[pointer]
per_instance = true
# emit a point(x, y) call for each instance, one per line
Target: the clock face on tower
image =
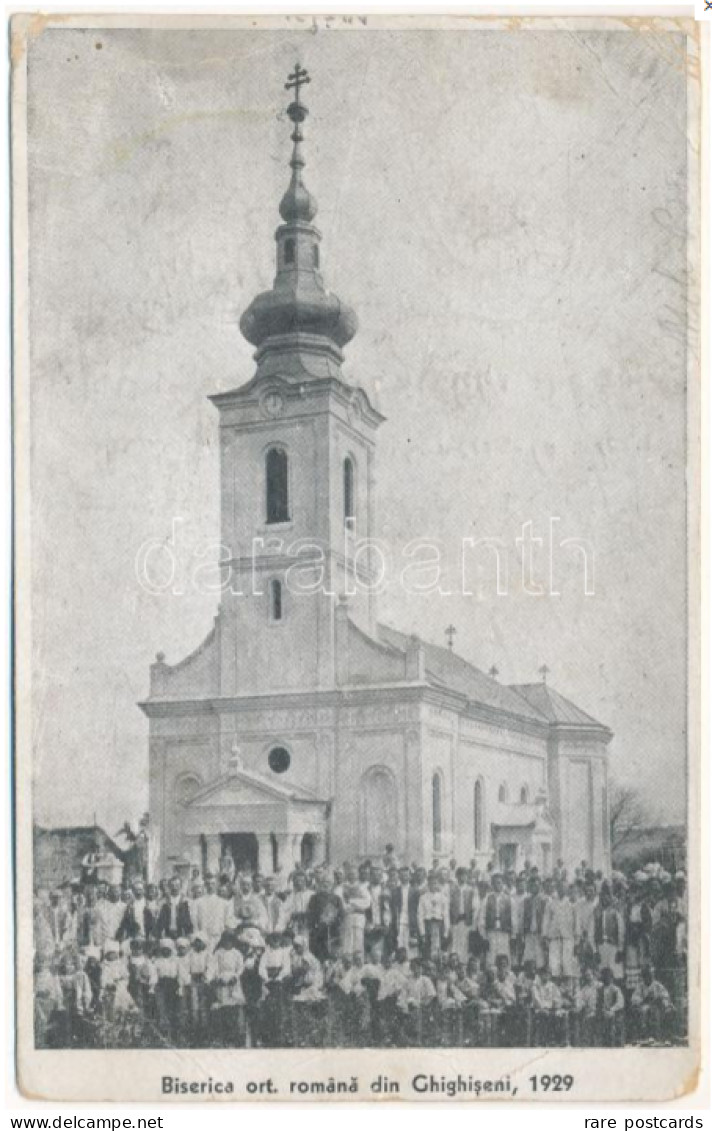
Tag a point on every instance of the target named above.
point(273, 404)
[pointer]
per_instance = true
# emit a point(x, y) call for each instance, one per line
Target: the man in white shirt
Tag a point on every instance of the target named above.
point(211, 912)
point(247, 908)
point(464, 910)
point(560, 931)
point(378, 916)
point(108, 916)
point(357, 901)
point(433, 918)
point(274, 906)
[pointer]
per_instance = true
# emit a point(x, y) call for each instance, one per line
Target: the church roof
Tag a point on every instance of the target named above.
point(446, 669)
point(509, 816)
point(531, 701)
point(556, 708)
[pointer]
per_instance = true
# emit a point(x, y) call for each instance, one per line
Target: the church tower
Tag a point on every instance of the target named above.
point(297, 468)
point(300, 730)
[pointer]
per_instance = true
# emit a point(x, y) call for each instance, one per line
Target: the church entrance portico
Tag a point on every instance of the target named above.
point(244, 850)
point(261, 825)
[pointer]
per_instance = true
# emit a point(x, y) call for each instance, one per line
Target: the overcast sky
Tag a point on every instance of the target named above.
point(506, 213)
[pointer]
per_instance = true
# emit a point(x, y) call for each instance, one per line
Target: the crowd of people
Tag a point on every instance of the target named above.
point(378, 954)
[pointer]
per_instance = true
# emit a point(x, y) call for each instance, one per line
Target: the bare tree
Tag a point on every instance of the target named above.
point(627, 813)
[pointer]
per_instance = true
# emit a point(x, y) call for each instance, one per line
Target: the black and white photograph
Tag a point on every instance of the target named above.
point(357, 533)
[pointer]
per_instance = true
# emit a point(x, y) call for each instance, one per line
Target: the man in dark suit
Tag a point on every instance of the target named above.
point(174, 919)
point(403, 931)
point(139, 920)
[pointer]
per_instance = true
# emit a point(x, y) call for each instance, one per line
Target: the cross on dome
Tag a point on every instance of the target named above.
point(298, 326)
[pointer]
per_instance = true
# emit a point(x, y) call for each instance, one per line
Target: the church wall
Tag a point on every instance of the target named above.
point(183, 756)
point(262, 655)
point(465, 750)
point(254, 750)
point(516, 771)
point(198, 675)
point(438, 754)
point(306, 732)
point(580, 769)
point(346, 441)
point(380, 741)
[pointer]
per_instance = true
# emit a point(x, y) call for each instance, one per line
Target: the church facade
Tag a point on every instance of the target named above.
point(301, 729)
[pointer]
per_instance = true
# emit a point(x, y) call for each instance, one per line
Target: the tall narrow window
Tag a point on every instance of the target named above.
point(275, 600)
point(503, 794)
point(524, 795)
point(315, 255)
point(348, 488)
point(289, 251)
point(277, 479)
point(437, 814)
point(479, 822)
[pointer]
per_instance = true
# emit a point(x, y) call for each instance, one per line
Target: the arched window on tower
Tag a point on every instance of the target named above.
point(437, 814)
point(524, 795)
point(349, 502)
point(275, 600)
point(479, 815)
point(277, 483)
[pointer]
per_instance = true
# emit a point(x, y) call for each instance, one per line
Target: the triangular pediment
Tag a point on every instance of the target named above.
point(232, 793)
point(241, 787)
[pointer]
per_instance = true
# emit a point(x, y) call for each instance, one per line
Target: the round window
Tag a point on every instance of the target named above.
point(279, 759)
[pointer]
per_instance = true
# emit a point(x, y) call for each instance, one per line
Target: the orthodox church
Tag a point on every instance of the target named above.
point(301, 729)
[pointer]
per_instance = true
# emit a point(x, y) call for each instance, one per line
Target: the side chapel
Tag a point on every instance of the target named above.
point(301, 729)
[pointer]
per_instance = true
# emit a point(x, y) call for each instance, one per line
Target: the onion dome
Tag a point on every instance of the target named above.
point(298, 327)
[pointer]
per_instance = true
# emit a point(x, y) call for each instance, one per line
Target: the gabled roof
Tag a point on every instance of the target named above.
point(555, 707)
point(446, 669)
point(509, 816)
point(536, 702)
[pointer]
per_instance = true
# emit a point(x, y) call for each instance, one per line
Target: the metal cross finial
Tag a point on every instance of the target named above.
point(494, 671)
point(450, 633)
point(298, 78)
point(544, 671)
